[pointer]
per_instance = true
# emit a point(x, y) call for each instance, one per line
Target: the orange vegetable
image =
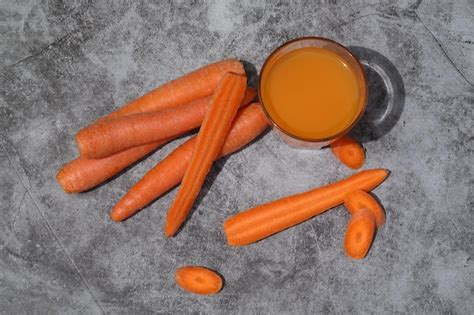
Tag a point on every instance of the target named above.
point(262, 221)
point(359, 234)
point(114, 135)
point(215, 127)
point(248, 124)
point(349, 152)
point(190, 87)
point(199, 280)
point(358, 199)
point(82, 174)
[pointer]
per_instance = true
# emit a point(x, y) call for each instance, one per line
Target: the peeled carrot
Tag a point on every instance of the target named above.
point(349, 152)
point(190, 87)
point(262, 221)
point(248, 124)
point(359, 199)
point(114, 135)
point(82, 174)
point(199, 280)
point(360, 233)
point(215, 127)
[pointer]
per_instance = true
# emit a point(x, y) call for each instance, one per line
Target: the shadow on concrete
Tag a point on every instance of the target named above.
point(252, 74)
point(386, 96)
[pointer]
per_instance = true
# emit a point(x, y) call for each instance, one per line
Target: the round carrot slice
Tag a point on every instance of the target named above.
point(358, 199)
point(359, 234)
point(198, 280)
point(349, 152)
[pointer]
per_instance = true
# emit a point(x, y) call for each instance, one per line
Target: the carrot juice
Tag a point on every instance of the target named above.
point(312, 93)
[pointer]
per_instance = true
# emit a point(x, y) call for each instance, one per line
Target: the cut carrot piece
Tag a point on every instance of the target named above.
point(349, 152)
point(262, 221)
point(82, 174)
point(359, 234)
point(190, 87)
point(199, 280)
point(215, 127)
point(115, 135)
point(358, 199)
point(248, 124)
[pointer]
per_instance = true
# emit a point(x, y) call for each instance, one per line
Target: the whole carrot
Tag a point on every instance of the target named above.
point(82, 174)
point(215, 127)
point(248, 124)
point(199, 280)
point(190, 87)
point(114, 135)
point(262, 221)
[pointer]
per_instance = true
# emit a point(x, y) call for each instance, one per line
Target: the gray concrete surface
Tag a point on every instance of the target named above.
point(65, 64)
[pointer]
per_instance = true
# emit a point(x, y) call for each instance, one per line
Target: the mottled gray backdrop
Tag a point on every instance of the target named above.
point(64, 64)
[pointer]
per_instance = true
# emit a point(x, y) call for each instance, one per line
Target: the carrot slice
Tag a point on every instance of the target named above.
point(360, 233)
point(358, 199)
point(215, 127)
point(262, 221)
point(114, 135)
point(349, 152)
point(192, 86)
point(199, 280)
point(82, 174)
point(248, 124)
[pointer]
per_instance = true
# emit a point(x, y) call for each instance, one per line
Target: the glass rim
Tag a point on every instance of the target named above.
point(364, 82)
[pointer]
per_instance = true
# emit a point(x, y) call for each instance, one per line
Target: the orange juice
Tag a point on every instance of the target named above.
point(311, 93)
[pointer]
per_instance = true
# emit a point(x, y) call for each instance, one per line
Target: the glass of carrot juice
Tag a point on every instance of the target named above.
point(313, 90)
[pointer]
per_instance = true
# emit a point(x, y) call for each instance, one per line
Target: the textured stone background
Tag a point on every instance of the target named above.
point(65, 64)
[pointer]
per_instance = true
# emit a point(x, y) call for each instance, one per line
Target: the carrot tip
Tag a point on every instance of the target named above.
point(116, 217)
point(169, 231)
point(63, 182)
point(386, 171)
